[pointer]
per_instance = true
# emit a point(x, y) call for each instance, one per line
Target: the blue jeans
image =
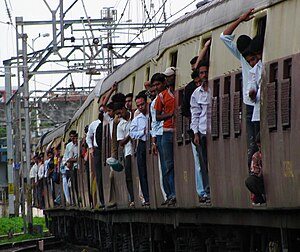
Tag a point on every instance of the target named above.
point(198, 176)
point(167, 145)
point(142, 168)
point(163, 166)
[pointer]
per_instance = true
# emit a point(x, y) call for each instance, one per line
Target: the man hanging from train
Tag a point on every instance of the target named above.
point(165, 111)
point(65, 170)
point(199, 65)
point(238, 51)
point(124, 141)
point(158, 85)
point(94, 142)
point(200, 123)
point(111, 115)
point(139, 131)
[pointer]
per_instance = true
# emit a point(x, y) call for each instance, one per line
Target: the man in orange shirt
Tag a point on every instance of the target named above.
point(165, 108)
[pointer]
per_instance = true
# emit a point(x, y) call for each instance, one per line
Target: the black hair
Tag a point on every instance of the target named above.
point(118, 97)
point(203, 63)
point(157, 77)
point(243, 43)
point(195, 74)
point(257, 44)
point(72, 132)
point(86, 128)
point(193, 60)
point(129, 95)
point(141, 94)
point(118, 105)
point(110, 105)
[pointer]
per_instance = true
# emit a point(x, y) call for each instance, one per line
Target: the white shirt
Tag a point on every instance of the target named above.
point(228, 41)
point(137, 127)
point(34, 172)
point(91, 134)
point(156, 126)
point(122, 132)
point(110, 121)
point(254, 83)
point(41, 171)
point(67, 152)
point(74, 154)
point(200, 110)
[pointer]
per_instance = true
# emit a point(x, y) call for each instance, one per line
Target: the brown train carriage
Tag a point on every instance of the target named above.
point(230, 222)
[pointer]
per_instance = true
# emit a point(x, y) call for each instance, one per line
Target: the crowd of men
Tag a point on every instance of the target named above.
point(154, 117)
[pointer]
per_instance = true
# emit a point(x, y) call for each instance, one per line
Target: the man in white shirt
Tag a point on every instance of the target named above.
point(65, 166)
point(139, 131)
point(33, 174)
point(94, 142)
point(124, 141)
point(200, 112)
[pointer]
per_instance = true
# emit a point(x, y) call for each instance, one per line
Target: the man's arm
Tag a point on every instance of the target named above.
point(245, 17)
point(203, 52)
point(106, 98)
point(228, 38)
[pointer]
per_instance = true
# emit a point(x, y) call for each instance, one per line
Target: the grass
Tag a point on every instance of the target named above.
point(17, 223)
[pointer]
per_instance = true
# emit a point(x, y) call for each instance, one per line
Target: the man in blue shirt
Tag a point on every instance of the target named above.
point(139, 131)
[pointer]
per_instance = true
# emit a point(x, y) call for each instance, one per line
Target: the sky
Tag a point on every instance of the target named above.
point(37, 10)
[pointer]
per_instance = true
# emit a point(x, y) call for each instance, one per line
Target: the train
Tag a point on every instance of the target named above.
point(230, 222)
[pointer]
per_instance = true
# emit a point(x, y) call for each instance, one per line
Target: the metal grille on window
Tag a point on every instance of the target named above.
point(226, 115)
point(186, 127)
point(215, 117)
point(285, 103)
point(271, 105)
point(179, 126)
point(237, 113)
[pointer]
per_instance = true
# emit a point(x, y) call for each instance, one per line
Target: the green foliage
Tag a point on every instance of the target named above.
point(2, 132)
point(22, 237)
point(17, 223)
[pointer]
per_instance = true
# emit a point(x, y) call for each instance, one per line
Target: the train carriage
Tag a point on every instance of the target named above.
point(230, 211)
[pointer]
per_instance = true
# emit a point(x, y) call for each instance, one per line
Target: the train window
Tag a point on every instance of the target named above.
point(173, 56)
point(272, 97)
point(215, 110)
point(237, 105)
point(261, 26)
point(226, 107)
point(132, 84)
point(286, 94)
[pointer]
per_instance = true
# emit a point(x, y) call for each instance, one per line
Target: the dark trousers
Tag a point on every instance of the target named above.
point(167, 145)
point(128, 176)
point(202, 150)
point(255, 185)
point(99, 179)
point(163, 166)
point(252, 130)
point(74, 183)
point(142, 168)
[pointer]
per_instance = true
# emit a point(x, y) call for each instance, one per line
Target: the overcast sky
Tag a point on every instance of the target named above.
point(36, 10)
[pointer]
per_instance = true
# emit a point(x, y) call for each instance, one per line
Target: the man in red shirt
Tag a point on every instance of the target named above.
point(165, 108)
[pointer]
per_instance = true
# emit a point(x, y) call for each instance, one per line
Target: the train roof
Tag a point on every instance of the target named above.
point(207, 17)
point(94, 94)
